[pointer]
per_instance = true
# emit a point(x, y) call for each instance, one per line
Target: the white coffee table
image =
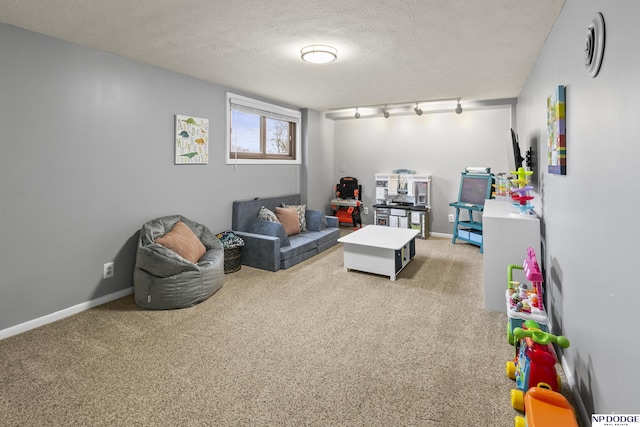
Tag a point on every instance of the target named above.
point(379, 249)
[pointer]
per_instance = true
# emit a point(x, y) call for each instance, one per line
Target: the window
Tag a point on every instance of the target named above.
point(261, 133)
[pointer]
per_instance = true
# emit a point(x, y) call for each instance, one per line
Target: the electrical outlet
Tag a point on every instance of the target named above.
point(450, 217)
point(366, 210)
point(108, 271)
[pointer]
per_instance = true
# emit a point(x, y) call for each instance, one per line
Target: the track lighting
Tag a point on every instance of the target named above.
point(419, 108)
point(458, 107)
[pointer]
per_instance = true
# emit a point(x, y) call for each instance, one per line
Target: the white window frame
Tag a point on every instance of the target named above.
point(268, 110)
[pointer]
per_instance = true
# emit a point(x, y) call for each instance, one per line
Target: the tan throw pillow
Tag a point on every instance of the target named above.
point(288, 217)
point(301, 214)
point(184, 242)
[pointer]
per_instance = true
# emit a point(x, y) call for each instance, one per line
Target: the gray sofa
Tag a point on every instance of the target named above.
point(267, 246)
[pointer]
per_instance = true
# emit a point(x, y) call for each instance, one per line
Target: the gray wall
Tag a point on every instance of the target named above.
point(441, 144)
point(591, 266)
point(318, 160)
point(87, 158)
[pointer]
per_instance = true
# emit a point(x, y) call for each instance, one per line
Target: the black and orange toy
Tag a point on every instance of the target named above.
point(346, 206)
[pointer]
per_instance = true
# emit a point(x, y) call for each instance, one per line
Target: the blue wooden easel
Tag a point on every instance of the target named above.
point(475, 188)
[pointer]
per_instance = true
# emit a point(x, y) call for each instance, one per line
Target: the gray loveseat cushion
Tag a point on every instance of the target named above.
point(268, 228)
point(316, 220)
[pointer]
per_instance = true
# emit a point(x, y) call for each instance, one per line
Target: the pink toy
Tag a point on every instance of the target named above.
point(533, 274)
point(525, 304)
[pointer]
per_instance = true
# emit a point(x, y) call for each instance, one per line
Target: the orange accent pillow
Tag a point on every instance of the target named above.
point(184, 242)
point(288, 217)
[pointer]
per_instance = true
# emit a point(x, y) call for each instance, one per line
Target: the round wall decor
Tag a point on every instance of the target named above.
point(594, 45)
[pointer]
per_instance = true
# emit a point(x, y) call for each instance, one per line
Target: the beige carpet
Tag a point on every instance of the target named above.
point(313, 345)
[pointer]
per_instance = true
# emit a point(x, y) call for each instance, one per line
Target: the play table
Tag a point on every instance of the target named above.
point(379, 249)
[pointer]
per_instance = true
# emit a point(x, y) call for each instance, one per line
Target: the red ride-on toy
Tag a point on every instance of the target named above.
point(534, 364)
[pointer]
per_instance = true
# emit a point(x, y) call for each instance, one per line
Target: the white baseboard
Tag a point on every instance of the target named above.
point(49, 318)
point(568, 373)
point(449, 236)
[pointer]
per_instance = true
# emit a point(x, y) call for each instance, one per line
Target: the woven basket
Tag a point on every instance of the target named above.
point(232, 260)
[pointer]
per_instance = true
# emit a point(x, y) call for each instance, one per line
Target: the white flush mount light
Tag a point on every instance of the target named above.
point(318, 54)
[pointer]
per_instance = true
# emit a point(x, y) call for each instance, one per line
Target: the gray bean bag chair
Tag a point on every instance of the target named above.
point(179, 263)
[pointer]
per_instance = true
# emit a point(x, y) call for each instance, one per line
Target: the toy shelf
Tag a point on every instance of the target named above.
point(506, 237)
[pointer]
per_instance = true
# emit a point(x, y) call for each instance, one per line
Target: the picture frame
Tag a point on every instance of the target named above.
point(191, 140)
point(556, 126)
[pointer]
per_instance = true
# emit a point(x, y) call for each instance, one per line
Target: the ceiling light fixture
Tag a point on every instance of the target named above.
point(419, 108)
point(318, 54)
point(458, 107)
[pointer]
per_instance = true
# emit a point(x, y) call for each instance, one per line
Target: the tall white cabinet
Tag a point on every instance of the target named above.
point(507, 235)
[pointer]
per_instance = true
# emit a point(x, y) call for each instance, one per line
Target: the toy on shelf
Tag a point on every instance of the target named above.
point(501, 187)
point(535, 361)
point(521, 193)
point(546, 408)
point(346, 205)
point(524, 303)
point(522, 181)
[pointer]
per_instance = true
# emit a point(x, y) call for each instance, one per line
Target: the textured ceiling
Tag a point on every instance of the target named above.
point(392, 51)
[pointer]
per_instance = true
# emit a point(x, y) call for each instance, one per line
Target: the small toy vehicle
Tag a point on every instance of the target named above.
point(546, 408)
point(534, 364)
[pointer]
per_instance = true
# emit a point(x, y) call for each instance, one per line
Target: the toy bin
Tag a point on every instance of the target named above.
point(232, 244)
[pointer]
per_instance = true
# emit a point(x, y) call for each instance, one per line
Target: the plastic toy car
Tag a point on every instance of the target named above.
point(534, 364)
point(546, 408)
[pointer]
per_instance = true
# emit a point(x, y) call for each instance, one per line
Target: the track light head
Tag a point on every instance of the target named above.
point(418, 110)
point(458, 108)
point(357, 115)
point(386, 113)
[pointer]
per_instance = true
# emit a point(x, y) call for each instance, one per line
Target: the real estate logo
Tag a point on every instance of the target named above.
point(615, 420)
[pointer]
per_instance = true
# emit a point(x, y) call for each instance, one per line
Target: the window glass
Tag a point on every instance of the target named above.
point(245, 132)
point(277, 137)
point(261, 133)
